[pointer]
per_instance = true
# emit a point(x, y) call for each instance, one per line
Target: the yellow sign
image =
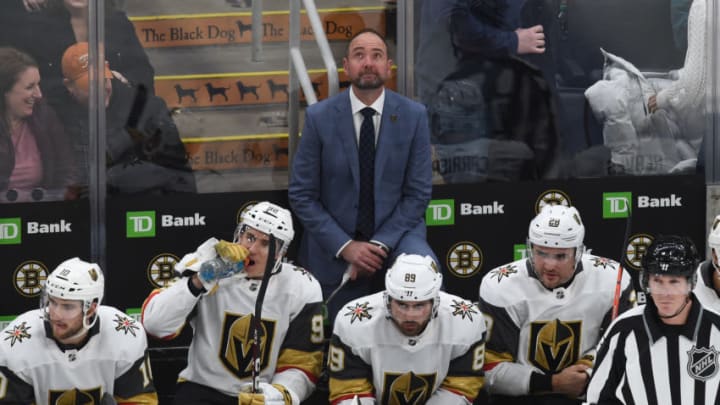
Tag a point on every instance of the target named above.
point(243, 152)
point(240, 88)
point(236, 28)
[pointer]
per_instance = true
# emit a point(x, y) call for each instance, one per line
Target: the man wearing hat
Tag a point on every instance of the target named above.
point(144, 150)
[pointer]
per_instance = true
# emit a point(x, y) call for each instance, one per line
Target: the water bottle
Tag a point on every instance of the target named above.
point(218, 268)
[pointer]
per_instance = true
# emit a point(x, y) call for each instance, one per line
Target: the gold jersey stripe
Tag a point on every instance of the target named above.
point(467, 386)
point(309, 362)
point(349, 388)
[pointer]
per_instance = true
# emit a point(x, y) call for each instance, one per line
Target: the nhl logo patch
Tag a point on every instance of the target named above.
point(702, 363)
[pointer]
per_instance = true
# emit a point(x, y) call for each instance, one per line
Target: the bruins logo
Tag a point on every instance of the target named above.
point(465, 259)
point(76, 397)
point(554, 345)
point(552, 197)
point(408, 388)
point(161, 270)
point(29, 278)
point(237, 341)
point(635, 250)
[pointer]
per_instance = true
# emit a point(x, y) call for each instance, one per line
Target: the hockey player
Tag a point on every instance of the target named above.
point(220, 311)
point(707, 289)
point(665, 352)
point(73, 350)
point(547, 312)
point(411, 344)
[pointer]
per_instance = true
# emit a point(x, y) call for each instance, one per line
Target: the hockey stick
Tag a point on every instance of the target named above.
point(257, 323)
point(618, 285)
point(343, 282)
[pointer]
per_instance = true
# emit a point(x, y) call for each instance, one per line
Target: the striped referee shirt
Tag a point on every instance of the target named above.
point(644, 361)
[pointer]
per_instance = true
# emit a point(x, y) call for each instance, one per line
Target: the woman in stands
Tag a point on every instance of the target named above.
point(35, 156)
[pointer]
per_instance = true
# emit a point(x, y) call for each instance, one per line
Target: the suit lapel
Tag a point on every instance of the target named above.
point(346, 132)
point(389, 126)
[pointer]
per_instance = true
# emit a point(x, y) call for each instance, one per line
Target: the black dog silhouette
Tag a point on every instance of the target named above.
point(243, 27)
point(213, 91)
point(277, 150)
point(243, 89)
point(185, 92)
point(277, 87)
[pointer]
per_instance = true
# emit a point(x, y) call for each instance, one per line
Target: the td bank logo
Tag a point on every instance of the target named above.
point(10, 231)
point(140, 224)
point(617, 205)
point(440, 212)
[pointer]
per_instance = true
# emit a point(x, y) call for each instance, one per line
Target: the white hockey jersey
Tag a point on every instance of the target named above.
point(220, 355)
point(370, 357)
point(704, 290)
point(33, 368)
point(534, 329)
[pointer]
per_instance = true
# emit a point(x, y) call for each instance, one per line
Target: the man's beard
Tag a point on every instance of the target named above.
point(69, 333)
point(374, 84)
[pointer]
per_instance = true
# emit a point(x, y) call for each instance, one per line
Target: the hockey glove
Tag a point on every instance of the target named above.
point(231, 260)
point(232, 252)
point(269, 394)
point(191, 262)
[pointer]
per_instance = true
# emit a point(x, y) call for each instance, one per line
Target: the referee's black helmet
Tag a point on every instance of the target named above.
point(670, 255)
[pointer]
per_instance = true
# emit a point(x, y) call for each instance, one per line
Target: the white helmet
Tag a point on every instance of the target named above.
point(75, 279)
point(557, 226)
point(268, 218)
point(413, 278)
point(714, 239)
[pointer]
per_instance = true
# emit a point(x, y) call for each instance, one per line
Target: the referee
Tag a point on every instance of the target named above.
point(665, 352)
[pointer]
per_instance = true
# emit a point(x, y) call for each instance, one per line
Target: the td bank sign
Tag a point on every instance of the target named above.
point(620, 204)
point(143, 224)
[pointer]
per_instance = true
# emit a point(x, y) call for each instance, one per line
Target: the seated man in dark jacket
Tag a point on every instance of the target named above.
point(144, 150)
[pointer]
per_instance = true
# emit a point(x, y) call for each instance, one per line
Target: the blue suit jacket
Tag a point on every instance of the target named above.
point(324, 182)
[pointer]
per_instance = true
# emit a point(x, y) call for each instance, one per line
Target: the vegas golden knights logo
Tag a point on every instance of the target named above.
point(554, 345)
point(75, 397)
point(408, 388)
point(237, 339)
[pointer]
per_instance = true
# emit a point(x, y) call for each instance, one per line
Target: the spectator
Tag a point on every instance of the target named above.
point(707, 289)
point(548, 312)
point(679, 10)
point(220, 308)
point(685, 95)
point(453, 31)
point(410, 344)
point(373, 205)
point(144, 150)
point(73, 349)
point(57, 24)
point(664, 352)
point(492, 114)
point(35, 154)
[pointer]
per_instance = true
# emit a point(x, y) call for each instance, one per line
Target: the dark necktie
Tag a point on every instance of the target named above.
point(366, 155)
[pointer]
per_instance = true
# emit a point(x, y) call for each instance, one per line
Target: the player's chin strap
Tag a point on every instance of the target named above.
point(257, 318)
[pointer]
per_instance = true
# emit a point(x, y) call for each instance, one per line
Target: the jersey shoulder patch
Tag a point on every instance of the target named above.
point(362, 311)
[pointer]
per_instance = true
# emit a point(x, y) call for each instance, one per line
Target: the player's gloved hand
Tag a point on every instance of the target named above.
point(232, 252)
point(230, 260)
point(191, 262)
point(269, 394)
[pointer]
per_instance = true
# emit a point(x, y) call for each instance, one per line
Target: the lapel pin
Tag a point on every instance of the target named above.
point(393, 118)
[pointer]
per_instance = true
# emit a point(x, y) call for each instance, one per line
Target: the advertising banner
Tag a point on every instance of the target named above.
point(34, 239)
point(475, 228)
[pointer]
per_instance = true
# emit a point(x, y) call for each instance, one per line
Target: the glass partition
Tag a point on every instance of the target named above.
point(554, 89)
